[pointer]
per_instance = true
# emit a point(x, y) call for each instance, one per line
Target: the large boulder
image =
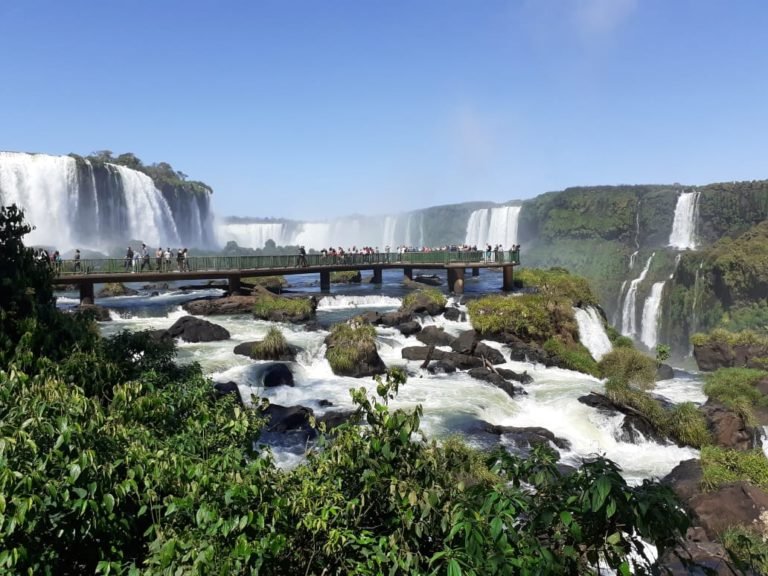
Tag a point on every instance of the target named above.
point(465, 342)
point(191, 329)
point(409, 328)
point(428, 279)
point(460, 361)
point(526, 437)
point(727, 427)
point(235, 304)
point(523, 378)
point(284, 419)
point(685, 479)
point(396, 318)
point(454, 314)
point(486, 375)
point(434, 336)
point(116, 289)
point(423, 302)
point(253, 351)
point(664, 372)
point(716, 354)
point(735, 504)
point(92, 311)
point(351, 351)
point(491, 354)
point(273, 374)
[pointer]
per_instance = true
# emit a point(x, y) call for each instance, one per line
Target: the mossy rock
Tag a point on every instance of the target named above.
point(273, 347)
point(346, 277)
point(268, 306)
point(113, 289)
point(351, 351)
point(425, 300)
point(274, 284)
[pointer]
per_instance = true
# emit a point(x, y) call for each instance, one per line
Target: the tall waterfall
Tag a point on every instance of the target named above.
point(629, 313)
point(650, 322)
point(683, 236)
point(493, 226)
point(73, 203)
point(592, 332)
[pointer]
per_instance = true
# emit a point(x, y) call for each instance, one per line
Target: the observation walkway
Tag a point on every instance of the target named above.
point(89, 271)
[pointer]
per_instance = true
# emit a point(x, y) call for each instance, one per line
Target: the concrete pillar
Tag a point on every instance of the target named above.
point(377, 276)
point(408, 273)
point(325, 281)
point(476, 271)
point(456, 280)
point(86, 293)
point(234, 284)
point(509, 278)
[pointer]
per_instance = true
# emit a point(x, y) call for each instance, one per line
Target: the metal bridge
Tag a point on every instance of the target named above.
point(86, 272)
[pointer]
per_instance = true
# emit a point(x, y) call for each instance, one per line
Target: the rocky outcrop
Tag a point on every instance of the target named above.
point(736, 504)
point(486, 375)
point(525, 438)
point(434, 336)
point(283, 419)
point(635, 426)
point(191, 329)
point(460, 361)
point(272, 375)
point(235, 304)
point(664, 372)
point(409, 328)
point(454, 314)
point(714, 355)
point(422, 302)
point(116, 289)
point(92, 311)
point(250, 349)
point(357, 358)
point(727, 427)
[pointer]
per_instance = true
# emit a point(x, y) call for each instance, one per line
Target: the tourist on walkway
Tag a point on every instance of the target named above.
point(167, 259)
point(302, 257)
point(128, 259)
point(77, 260)
point(145, 258)
point(159, 259)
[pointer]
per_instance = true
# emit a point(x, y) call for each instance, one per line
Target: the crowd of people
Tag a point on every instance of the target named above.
point(372, 253)
point(139, 260)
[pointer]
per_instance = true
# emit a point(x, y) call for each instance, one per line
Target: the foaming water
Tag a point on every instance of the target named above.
point(372, 301)
point(592, 333)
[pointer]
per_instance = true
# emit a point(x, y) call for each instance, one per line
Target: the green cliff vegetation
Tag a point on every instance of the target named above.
point(115, 460)
point(736, 389)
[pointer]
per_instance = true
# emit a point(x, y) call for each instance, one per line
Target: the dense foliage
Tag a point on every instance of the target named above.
point(114, 460)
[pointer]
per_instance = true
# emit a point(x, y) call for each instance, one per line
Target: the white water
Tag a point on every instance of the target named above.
point(629, 313)
point(592, 332)
point(649, 331)
point(493, 226)
point(450, 402)
point(339, 302)
point(683, 236)
point(632, 258)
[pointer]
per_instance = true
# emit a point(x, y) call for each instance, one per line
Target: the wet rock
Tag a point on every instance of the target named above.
point(727, 427)
point(461, 361)
point(466, 342)
point(423, 303)
point(287, 354)
point(112, 289)
point(685, 479)
point(496, 379)
point(191, 329)
point(335, 418)
point(522, 378)
point(92, 311)
point(368, 362)
point(664, 372)
point(284, 419)
point(736, 504)
point(273, 375)
point(453, 314)
point(370, 317)
point(434, 336)
point(428, 279)
point(491, 354)
point(707, 557)
point(235, 304)
point(441, 367)
point(409, 328)
point(396, 318)
point(528, 436)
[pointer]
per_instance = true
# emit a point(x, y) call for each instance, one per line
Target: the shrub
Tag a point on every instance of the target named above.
point(272, 346)
point(345, 277)
point(267, 306)
point(274, 283)
point(432, 294)
point(688, 425)
point(558, 283)
point(524, 316)
point(351, 344)
point(574, 356)
point(630, 367)
point(721, 466)
point(721, 336)
point(735, 388)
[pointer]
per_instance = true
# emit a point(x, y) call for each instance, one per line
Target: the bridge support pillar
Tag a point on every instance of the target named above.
point(509, 278)
point(376, 276)
point(86, 293)
point(456, 280)
point(475, 271)
point(325, 281)
point(233, 284)
point(408, 273)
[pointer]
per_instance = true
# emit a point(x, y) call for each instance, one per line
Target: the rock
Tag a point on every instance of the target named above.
point(736, 504)
point(276, 375)
point(370, 317)
point(428, 279)
point(633, 428)
point(709, 557)
point(664, 372)
point(351, 277)
point(466, 342)
point(159, 286)
point(112, 289)
point(714, 355)
point(98, 313)
point(434, 336)
point(441, 367)
point(409, 328)
point(685, 479)
point(289, 419)
point(235, 304)
point(248, 349)
point(453, 314)
point(599, 401)
point(423, 303)
point(323, 403)
point(396, 318)
point(484, 374)
point(224, 388)
point(335, 418)
point(528, 436)
point(727, 427)
point(461, 361)
point(523, 378)
point(191, 329)
point(368, 362)
point(491, 354)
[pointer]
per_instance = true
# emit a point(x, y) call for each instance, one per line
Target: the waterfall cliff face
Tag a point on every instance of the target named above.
point(493, 226)
point(683, 235)
point(73, 203)
point(592, 332)
point(649, 330)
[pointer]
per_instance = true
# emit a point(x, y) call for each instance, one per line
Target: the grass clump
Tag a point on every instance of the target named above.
point(345, 277)
point(735, 388)
point(721, 466)
point(558, 283)
point(430, 294)
point(687, 425)
point(573, 356)
point(269, 306)
point(721, 336)
point(748, 546)
point(350, 344)
point(272, 346)
point(529, 317)
point(630, 367)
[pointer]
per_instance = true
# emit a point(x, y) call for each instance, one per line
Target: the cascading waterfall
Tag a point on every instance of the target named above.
point(649, 330)
point(694, 304)
point(493, 226)
point(633, 258)
point(683, 236)
point(74, 203)
point(629, 313)
point(592, 332)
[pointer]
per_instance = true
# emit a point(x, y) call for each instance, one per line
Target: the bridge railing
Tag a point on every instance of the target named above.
point(224, 263)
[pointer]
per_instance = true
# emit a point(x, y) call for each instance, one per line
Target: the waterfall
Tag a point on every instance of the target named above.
point(683, 236)
point(493, 226)
point(254, 234)
point(592, 332)
point(616, 314)
point(75, 203)
point(637, 229)
point(650, 321)
point(390, 227)
point(632, 258)
point(628, 315)
point(407, 240)
point(421, 231)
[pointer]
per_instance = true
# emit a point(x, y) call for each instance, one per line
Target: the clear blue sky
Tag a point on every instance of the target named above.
point(316, 108)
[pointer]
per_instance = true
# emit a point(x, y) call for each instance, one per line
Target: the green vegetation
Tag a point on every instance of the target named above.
point(573, 356)
point(272, 346)
point(269, 282)
point(345, 277)
point(735, 388)
point(721, 466)
point(146, 471)
point(433, 295)
point(269, 306)
point(721, 336)
point(629, 366)
point(557, 284)
point(748, 546)
point(351, 346)
point(527, 316)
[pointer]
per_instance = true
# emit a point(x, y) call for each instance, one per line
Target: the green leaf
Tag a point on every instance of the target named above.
point(109, 502)
point(602, 488)
point(453, 568)
point(566, 517)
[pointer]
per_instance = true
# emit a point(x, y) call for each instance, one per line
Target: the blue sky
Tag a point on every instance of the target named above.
point(317, 108)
